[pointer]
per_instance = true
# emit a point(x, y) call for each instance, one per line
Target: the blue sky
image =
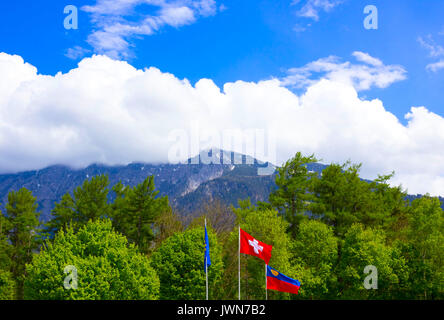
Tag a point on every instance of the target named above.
point(306, 72)
point(251, 40)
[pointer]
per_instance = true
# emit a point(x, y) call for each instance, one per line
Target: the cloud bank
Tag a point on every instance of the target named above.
point(109, 112)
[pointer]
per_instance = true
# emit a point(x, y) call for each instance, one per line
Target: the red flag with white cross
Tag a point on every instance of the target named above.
point(251, 246)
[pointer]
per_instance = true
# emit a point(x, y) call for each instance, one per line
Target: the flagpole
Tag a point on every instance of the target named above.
point(206, 265)
point(239, 264)
point(266, 293)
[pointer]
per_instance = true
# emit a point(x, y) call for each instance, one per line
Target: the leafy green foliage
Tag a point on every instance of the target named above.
point(363, 247)
point(315, 254)
point(5, 246)
point(107, 267)
point(7, 285)
point(179, 262)
point(424, 250)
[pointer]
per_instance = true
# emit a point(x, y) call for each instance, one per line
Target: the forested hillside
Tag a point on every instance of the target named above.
point(127, 242)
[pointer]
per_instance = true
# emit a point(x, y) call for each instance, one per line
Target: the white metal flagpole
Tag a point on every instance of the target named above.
point(239, 264)
point(266, 293)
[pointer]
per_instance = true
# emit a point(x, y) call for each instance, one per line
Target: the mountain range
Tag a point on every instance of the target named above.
point(187, 184)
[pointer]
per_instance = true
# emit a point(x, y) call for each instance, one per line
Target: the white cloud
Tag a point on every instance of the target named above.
point(76, 52)
point(223, 8)
point(366, 58)
point(118, 22)
point(435, 51)
point(435, 66)
point(177, 16)
point(311, 8)
point(107, 111)
point(300, 28)
point(370, 73)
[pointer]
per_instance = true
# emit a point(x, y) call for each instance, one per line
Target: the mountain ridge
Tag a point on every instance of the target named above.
point(177, 181)
point(187, 185)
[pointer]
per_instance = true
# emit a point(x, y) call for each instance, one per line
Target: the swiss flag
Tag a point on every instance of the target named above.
point(250, 245)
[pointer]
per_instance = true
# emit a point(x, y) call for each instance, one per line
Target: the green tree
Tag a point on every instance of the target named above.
point(91, 199)
point(89, 203)
point(136, 209)
point(63, 215)
point(366, 247)
point(7, 285)
point(342, 198)
point(107, 267)
point(424, 250)
point(179, 262)
point(292, 196)
point(5, 246)
point(315, 254)
point(23, 224)
point(390, 207)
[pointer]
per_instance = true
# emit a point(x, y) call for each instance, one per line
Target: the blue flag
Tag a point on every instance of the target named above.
point(207, 250)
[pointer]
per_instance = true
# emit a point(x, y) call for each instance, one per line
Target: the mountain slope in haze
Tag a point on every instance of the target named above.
point(188, 185)
point(177, 181)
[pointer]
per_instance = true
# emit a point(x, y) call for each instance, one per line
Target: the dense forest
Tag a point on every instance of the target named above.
point(325, 229)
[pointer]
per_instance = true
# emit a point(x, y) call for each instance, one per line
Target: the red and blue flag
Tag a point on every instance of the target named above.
point(279, 282)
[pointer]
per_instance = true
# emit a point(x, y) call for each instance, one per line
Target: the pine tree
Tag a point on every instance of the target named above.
point(136, 209)
point(292, 196)
point(90, 202)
